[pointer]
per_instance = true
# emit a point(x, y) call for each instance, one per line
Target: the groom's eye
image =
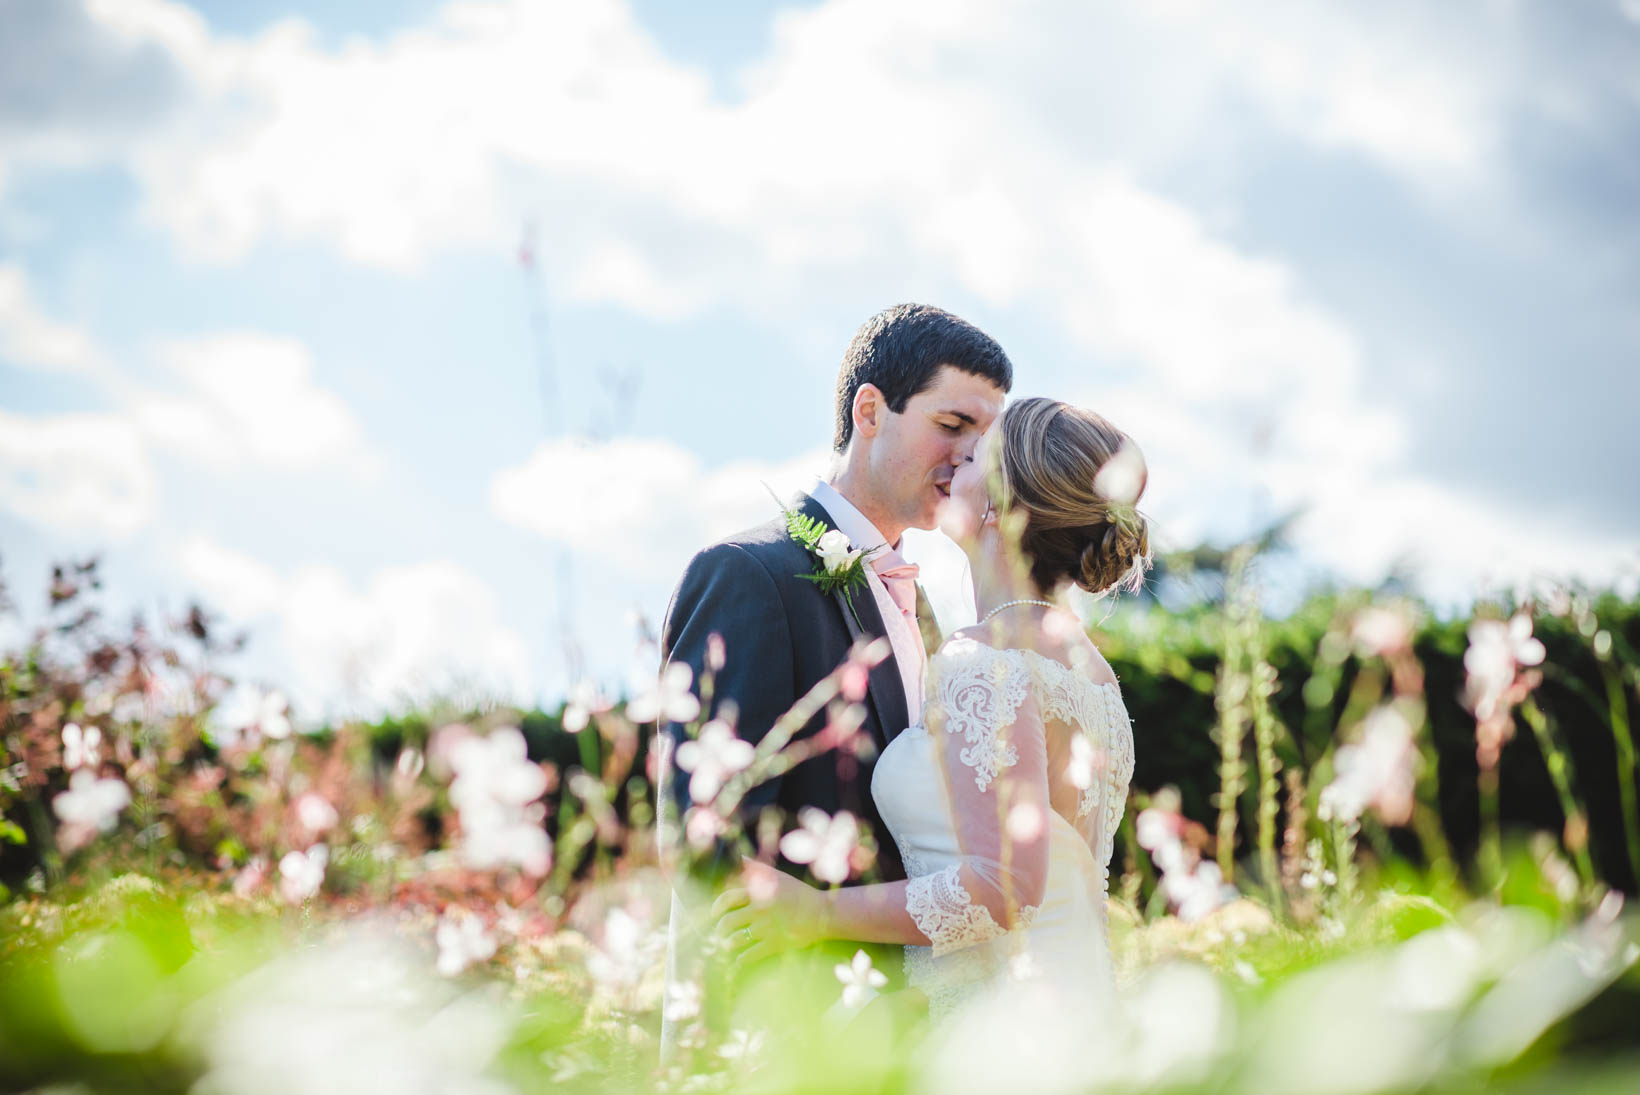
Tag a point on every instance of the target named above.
point(951, 427)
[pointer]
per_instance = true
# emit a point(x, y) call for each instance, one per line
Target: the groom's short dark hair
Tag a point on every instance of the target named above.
point(901, 349)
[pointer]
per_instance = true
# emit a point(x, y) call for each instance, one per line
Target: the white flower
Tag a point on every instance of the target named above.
point(825, 843)
point(92, 802)
point(669, 699)
point(1495, 651)
point(1084, 762)
point(1198, 892)
point(626, 952)
point(315, 813)
point(1122, 477)
point(302, 873)
point(741, 1045)
point(495, 790)
point(1156, 828)
point(835, 550)
point(585, 700)
point(462, 940)
point(495, 768)
point(682, 1002)
point(410, 762)
point(712, 758)
point(495, 842)
point(80, 746)
point(1025, 821)
point(248, 710)
point(1380, 771)
point(860, 980)
point(1379, 631)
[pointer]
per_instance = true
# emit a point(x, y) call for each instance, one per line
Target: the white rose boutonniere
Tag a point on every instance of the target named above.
point(836, 550)
point(839, 566)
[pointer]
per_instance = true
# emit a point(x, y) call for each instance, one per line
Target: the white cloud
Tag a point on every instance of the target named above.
point(409, 632)
point(1372, 78)
point(252, 397)
point(76, 473)
point(236, 583)
point(866, 127)
point(30, 338)
point(1214, 474)
point(641, 506)
point(1006, 153)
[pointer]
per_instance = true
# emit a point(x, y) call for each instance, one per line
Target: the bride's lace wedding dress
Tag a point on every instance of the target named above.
point(1004, 807)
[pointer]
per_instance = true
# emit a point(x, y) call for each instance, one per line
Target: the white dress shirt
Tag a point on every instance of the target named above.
point(903, 638)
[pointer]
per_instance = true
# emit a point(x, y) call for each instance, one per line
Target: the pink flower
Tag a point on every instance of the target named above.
point(584, 701)
point(250, 879)
point(1380, 631)
point(1380, 771)
point(1496, 651)
point(712, 758)
point(669, 699)
point(1025, 822)
point(702, 825)
point(302, 873)
point(315, 813)
point(824, 843)
point(1198, 891)
point(854, 680)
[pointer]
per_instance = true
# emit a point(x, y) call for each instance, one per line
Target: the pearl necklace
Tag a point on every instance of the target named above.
point(1011, 604)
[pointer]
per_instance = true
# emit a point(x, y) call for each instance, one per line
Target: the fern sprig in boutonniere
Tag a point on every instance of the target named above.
point(839, 567)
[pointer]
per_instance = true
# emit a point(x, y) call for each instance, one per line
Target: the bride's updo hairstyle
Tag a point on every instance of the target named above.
point(1050, 456)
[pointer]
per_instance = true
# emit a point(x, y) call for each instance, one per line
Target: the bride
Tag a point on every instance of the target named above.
point(1004, 804)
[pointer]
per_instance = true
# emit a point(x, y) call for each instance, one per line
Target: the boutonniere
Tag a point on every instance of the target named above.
point(839, 567)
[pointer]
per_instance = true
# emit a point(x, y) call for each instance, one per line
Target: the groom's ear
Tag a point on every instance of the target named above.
point(869, 407)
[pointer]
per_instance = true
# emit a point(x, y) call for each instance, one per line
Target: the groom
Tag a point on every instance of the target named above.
point(917, 388)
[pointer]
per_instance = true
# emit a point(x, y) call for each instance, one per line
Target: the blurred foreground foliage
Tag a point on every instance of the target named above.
point(1369, 849)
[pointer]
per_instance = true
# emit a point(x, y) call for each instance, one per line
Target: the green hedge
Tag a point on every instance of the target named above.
point(1168, 662)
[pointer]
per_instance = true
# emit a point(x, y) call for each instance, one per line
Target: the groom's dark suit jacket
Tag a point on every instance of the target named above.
point(783, 635)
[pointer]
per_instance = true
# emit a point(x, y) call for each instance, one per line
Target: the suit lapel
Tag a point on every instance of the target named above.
point(887, 689)
point(927, 624)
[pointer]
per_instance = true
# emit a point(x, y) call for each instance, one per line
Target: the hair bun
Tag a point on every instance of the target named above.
point(1051, 456)
point(1116, 558)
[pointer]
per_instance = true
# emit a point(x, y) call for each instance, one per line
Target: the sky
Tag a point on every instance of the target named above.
point(414, 337)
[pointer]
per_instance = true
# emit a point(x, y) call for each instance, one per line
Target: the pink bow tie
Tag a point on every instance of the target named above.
point(900, 578)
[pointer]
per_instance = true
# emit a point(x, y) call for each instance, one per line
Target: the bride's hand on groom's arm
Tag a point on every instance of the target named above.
point(768, 913)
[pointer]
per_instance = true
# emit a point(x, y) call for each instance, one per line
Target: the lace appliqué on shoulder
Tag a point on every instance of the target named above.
point(1096, 712)
point(979, 690)
point(943, 911)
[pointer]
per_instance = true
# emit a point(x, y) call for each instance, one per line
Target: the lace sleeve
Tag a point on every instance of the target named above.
point(988, 741)
point(977, 692)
